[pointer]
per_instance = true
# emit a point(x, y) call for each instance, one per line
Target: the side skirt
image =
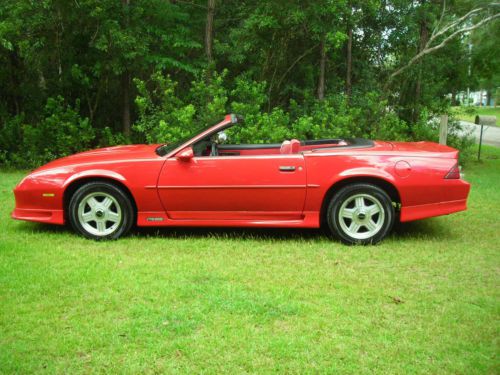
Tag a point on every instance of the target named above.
point(160, 219)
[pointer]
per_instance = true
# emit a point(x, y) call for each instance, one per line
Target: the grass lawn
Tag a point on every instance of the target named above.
point(469, 113)
point(427, 300)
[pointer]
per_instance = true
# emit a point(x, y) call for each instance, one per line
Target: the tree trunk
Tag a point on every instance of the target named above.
point(209, 31)
point(126, 103)
point(322, 66)
point(348, 76)
point(15, 64)
point(59, 36)
point(424, 37)
point(125, 78)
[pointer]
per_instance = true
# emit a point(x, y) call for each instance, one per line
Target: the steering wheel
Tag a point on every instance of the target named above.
point(213, 149)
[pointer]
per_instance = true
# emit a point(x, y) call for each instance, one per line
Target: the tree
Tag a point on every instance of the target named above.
point(442, 34)
point(316, 66)
point(485, 74)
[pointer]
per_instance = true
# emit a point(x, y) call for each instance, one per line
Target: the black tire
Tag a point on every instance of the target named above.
point(372, 212)
point(103, 221)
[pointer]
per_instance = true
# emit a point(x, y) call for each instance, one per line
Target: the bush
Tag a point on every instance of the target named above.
point(60, 133)
point(162, 115)
point(209, 98)
point(106, 137)
point(166, 116)
point(457, 139)
point(248, 97)
point(10, 139)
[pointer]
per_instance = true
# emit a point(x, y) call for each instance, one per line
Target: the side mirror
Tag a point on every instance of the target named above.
point(186, 154)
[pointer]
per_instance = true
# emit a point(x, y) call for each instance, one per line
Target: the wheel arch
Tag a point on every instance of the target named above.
point(385, 185)
point(75, 184)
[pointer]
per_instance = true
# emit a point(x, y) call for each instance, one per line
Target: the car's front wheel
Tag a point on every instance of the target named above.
point(360, 214)
point(100, 210)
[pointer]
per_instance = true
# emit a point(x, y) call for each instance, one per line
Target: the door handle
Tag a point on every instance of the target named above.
point(287, 168)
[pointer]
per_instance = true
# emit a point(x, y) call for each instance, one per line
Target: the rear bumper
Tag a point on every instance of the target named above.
point(453, 194)
point(39, 215)
point(430, 210)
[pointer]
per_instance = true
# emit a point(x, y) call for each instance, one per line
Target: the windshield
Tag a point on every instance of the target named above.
point(166, 148)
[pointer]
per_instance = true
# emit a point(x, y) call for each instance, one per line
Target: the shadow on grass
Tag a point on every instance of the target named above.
point(282, 234)
point(430, 228)
point(26, 227)
point(423, 229)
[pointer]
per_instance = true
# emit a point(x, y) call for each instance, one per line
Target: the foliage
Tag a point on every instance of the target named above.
point(106, 137)
point(10, 139)
point(60, 132)
point(165, 116)
point(209, 95)
point(114, 58)
point(485, 59)
point(162, 115)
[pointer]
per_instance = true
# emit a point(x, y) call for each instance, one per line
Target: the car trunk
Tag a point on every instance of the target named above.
point(431, 149)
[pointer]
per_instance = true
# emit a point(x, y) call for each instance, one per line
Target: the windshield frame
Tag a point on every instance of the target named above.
point(171, 149)
point(168, 147)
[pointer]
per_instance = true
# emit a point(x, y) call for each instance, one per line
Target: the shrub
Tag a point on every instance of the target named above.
point(10, 139)
point(209, 97)
point(106, 137)
point(166, 116)
point(463, 142)
point(162, 115)
point(62, 132)
point(260, 127)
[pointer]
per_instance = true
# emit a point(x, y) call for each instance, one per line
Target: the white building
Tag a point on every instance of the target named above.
point(478, 98)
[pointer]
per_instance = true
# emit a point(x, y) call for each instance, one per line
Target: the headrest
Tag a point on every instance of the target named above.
point(295, 145)
point(286, 147)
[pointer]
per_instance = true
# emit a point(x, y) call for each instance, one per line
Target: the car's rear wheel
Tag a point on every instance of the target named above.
point(100, 210)
point(360, 214)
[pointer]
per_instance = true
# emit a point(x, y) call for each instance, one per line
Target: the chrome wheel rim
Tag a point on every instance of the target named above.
point(99, 214)
point(361, 216)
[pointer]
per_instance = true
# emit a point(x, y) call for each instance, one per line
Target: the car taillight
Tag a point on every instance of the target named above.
point(454, 173)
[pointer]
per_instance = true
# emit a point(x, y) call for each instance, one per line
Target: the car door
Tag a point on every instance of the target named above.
point(252, 187)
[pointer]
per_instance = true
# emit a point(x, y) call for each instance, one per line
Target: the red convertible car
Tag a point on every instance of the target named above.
point(355, 187)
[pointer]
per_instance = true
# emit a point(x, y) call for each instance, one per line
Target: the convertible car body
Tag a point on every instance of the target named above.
point(356, 187)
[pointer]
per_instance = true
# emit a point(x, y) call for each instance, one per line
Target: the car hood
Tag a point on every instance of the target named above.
point(107, 154)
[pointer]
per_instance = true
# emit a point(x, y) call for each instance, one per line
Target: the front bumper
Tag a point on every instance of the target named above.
point(40, 202)
point(39, 215)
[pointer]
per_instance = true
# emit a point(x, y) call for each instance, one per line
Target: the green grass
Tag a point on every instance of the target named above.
point(255, 301)
point(469, 113)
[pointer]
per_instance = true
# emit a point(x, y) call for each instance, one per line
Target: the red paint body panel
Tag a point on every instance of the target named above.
point(247, 186)
point(233, 187)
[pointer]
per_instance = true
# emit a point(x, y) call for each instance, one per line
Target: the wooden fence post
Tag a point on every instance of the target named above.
point(443, 129)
